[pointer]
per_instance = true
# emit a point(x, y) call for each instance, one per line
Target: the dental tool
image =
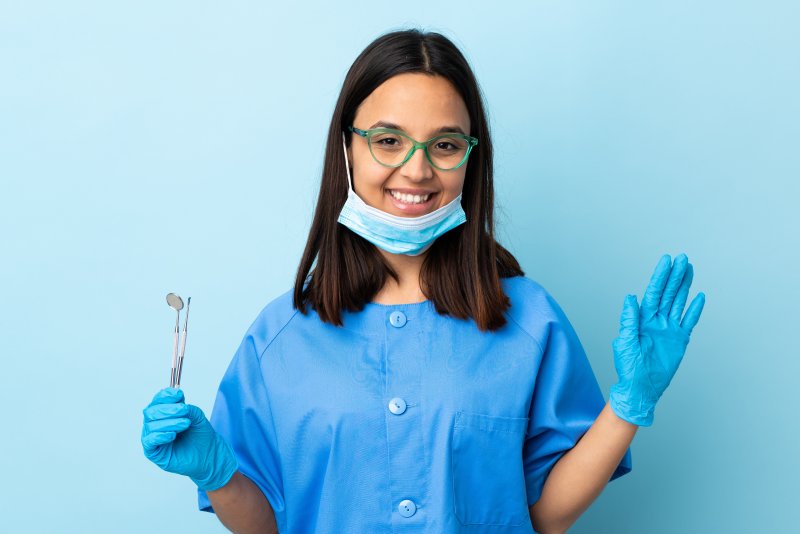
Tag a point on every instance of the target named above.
point(183, 345)
point(176, 303)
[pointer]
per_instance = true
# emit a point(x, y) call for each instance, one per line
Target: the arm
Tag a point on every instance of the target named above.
point(651, 344)
point(581, 474)
point(242, 508)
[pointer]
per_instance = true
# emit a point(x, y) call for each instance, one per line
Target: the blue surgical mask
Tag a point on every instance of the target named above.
point(394, 234)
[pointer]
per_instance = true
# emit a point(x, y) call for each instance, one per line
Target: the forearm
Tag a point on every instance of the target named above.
point(581, 474)
point(241, 506)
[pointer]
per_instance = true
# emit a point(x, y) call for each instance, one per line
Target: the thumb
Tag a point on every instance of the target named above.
point(629, 320)
point(195, 415)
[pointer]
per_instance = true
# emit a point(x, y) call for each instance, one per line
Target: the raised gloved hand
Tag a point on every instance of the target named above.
point(178, 438)
point(653, 339)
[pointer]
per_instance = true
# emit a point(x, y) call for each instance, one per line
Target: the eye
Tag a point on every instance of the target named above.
point(387, 141)
point(448, 145)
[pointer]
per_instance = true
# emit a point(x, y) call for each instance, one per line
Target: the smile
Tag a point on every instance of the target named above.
point(410, 199)
point(416, 204)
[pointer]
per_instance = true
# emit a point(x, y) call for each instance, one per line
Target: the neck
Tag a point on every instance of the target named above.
point(407, 289)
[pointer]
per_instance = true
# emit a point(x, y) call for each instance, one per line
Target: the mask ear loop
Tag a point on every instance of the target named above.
point(347, 166)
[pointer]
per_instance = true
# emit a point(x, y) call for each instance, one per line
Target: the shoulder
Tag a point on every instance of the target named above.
point(271, 321)
point(533, 308)
point(529, 297)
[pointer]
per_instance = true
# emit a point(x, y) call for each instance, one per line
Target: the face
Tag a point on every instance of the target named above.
point(420, 105)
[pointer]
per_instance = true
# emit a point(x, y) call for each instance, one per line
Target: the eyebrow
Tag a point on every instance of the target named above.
point(443, 129)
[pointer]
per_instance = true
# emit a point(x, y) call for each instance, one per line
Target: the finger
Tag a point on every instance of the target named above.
point(168, 396)
point(693, 313)
point(155, 439)
point(652, 295)
point(629, 320)
point(165, 411)
point(673, 284)
point(168, 425)
point(679, 303)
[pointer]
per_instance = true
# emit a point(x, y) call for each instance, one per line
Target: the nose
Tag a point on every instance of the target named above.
point(417, 168)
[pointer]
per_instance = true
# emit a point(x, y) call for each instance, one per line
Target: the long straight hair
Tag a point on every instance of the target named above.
point(462, 269)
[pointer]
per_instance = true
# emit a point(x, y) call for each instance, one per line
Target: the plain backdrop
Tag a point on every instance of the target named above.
point(154, 147)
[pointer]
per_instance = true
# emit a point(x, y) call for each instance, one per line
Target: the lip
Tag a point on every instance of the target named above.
point(413, 209)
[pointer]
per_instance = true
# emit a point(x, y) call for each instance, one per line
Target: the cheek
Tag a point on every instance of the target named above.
point(453, 186)
point(368, 176)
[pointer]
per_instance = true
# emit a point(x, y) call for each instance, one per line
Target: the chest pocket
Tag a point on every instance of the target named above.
point(488, 476)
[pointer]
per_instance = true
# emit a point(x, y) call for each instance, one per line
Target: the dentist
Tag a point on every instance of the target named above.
point(413, 379)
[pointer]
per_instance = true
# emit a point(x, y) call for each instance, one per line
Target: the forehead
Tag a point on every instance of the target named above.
point(418, 103)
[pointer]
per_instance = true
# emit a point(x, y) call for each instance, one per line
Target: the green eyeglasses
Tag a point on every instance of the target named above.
point(392, 148)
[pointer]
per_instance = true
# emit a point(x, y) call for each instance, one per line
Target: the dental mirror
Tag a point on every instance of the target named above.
point(176, 303)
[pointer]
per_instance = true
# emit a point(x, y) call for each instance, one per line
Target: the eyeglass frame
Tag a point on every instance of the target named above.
point(366, 134)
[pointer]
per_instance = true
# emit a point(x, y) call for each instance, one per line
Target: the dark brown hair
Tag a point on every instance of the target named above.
point(462, 269)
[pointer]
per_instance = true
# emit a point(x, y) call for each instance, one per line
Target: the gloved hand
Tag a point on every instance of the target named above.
point(653, 339)
point(178, 438)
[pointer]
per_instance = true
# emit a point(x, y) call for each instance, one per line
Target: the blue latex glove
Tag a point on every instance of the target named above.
point(653, 339)
point(178, 438)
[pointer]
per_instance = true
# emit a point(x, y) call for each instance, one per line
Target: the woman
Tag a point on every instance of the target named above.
point(414, 379)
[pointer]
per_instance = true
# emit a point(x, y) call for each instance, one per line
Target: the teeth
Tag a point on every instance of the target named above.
point(410, 199)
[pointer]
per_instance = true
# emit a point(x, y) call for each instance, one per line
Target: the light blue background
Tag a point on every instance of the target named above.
point(145, 147)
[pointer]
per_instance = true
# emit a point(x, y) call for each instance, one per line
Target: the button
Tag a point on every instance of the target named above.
point(397, 319)
point(407, 508)
point(397, 406)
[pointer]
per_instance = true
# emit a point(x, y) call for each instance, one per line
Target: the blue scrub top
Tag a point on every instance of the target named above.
point(404, 420)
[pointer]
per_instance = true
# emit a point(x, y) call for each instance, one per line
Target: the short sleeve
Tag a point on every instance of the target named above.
point(566, 401)
point(242, 415)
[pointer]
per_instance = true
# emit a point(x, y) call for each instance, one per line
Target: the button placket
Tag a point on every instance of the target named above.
point(407, 472)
